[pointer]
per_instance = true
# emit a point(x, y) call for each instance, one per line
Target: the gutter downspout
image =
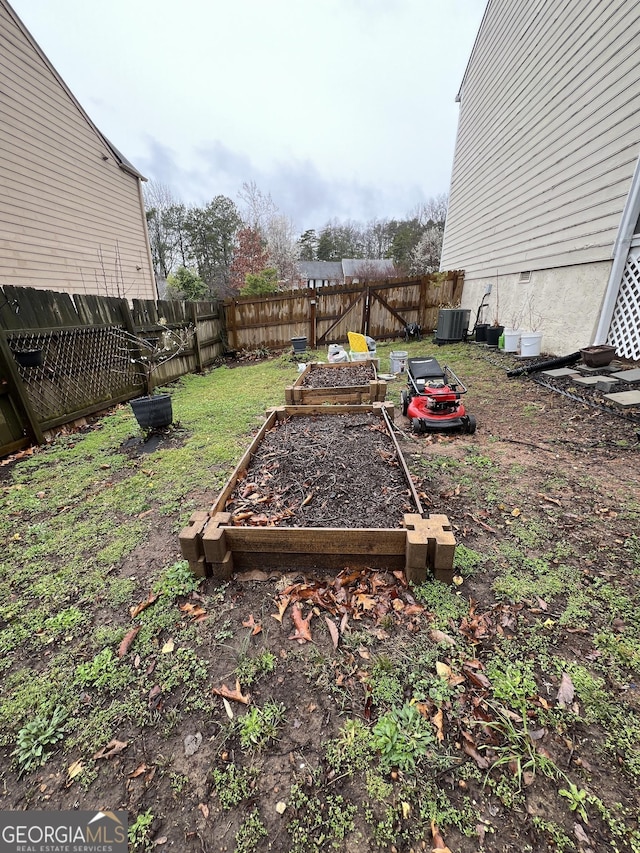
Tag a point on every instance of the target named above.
point(620, 253)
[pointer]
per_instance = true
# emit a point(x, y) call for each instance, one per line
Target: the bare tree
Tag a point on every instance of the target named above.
point(257, 209)
point(433, 211)
point(282, 247)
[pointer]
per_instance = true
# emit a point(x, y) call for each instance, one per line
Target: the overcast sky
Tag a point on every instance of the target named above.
point(337, 108)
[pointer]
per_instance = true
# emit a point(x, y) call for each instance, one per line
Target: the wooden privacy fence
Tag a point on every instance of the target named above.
point(323, 316)
point(82, 344)
point(85, 350)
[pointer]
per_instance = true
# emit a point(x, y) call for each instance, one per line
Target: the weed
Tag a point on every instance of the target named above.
point(177, 580)
point(178, 782)
point(560, 840)
point(512, 682)
point(402, 737)
point(232, 785)
point(442, 602)
point(260, 726)
point(577, 799)
point(249, 670)
point(386, 687)
point(140, 833)
point(318, 823)
point(351, 751)
point(105, 672)
point(250, 834)
point(518, 751)
point(37, 738)
point(466, 560)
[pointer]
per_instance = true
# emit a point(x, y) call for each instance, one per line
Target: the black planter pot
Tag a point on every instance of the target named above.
point(299, 345)
point(152, 412)
point(29, 357)
point(481, 332)
point(493, 335)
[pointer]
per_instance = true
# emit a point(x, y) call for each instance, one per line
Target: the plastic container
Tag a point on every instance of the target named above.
point(512, 340)
point(530, 343)
point(361, 356)
point(493, 335)
point(153, 411)
point(398, 360)
point(598, 356)
point(299, 344)
point(481, 333)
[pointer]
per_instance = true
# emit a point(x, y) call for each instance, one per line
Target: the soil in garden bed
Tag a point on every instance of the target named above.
point(339, 377)
point(324, 471)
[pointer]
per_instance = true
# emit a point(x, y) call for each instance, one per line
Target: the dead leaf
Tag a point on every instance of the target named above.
point(195, 611)
point(566, 691)
point(440, 637)
point(155, 697)
point(303, 632)
point(256, 627)
point(333, 630)
point(438, 841)
point(281, 807)
point(168, 647)
point(227, 708)
point(162, 840)
point(75, 769)
point(127, 640)
point(140, 770)
point(204, 808)
point(234, 695)
point(113, 748)
point(282, 602)
point(438, 722)
point(135, 611)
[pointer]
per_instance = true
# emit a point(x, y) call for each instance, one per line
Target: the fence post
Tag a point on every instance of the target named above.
point(194, 318)
point(17, 386)
point(312, 322)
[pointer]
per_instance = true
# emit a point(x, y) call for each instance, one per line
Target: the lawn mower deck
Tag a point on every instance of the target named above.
point(432, 398)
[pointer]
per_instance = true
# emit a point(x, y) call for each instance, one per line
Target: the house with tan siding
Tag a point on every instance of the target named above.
point(545, 191)
point(71, 211)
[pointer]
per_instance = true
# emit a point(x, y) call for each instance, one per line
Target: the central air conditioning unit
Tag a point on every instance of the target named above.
point(453, 325)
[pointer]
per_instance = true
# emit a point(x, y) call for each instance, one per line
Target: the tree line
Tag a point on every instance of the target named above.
point(249, 248)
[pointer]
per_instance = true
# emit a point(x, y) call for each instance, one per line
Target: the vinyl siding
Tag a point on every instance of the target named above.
point(548, 136)
point(71, 218)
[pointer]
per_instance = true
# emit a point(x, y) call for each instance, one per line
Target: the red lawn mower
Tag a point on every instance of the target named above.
point(432, 399)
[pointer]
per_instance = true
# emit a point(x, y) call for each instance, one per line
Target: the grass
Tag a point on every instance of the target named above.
point(364, 742)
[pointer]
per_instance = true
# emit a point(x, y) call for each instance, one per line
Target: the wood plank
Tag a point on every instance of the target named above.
point(316, 540)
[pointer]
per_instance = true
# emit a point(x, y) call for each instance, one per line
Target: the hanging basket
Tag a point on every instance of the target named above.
point(153, 412)
point(28, 357)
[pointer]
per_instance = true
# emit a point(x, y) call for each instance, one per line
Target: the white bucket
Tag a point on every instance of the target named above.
point(398, 361)
point(530, 343)
point(512, 340)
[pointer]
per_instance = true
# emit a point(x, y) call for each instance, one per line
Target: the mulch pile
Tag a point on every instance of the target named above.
point(339, 377)
point(324, 471)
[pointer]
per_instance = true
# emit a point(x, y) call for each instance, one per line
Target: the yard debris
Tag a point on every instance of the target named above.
point(113, 748)
point(302, 631)
point(193, 611)
point(566, 692)
point(359, 593)
point(234, 695)
point(135, 611)
point(127, 640)
point(256, 627)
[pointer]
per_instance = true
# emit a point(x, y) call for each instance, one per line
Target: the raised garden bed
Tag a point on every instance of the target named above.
point(323, 488)
point(356, 382)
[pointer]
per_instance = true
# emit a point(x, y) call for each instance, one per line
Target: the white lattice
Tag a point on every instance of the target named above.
point(624, 333)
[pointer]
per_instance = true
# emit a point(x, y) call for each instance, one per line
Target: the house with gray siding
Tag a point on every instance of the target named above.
point(545, 191)
point(71, 210)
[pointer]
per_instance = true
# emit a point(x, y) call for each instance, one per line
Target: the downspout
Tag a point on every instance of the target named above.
point(620, 253)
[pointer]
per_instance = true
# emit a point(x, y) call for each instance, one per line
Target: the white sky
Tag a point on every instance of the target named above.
point(337, 108)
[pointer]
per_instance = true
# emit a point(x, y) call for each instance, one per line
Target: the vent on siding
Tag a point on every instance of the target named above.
point(525, 277)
